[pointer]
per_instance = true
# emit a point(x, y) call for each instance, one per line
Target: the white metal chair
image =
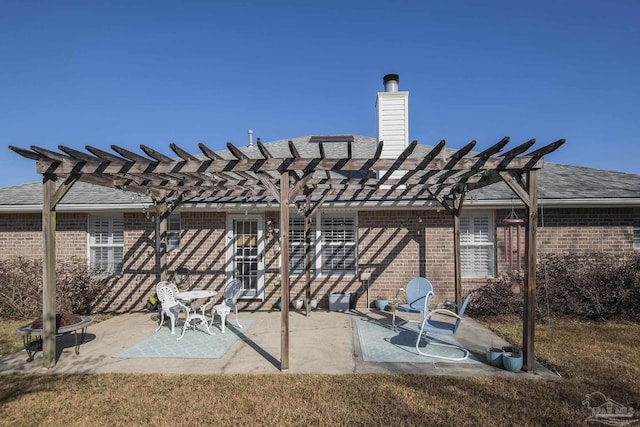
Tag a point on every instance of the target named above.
point(418, 294)
point(444, 327)
point(232, 292)
point(170, 306)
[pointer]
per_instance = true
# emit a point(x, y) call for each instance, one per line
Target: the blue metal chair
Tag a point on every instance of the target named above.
point(444, 327)
point(418, 294)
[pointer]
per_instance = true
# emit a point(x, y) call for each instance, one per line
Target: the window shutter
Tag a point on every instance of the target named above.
point(100, 231)
point(173, 232)
point(465, 230)
point(117, 231)
point(297, 244)
point(477, 244)
point(481, 230)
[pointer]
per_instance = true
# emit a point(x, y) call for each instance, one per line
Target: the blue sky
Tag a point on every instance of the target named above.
point(79, 73)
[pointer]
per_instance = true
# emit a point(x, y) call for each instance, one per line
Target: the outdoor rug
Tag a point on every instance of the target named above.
point(196, 344)
point(380, 343)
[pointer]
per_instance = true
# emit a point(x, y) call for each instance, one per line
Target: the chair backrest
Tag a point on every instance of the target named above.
point(418, 289)
point(166, 292)
point(463, 307)
point(232, 292)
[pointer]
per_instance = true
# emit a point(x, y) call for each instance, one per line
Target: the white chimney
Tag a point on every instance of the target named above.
point(393, 119)
point(250, 132)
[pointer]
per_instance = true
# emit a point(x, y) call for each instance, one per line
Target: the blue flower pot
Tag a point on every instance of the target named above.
point(512, 361)
point(494, 356)
point(381, 304)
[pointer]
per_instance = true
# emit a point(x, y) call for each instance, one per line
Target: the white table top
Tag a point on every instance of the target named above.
point(196, 293)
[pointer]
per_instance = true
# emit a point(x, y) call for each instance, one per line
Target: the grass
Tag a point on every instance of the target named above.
point(10, 342)
point(591, 356)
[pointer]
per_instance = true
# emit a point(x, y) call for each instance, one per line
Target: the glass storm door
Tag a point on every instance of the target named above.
point(246, 255)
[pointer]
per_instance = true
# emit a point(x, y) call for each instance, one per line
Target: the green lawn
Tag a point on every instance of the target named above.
point(591, 356)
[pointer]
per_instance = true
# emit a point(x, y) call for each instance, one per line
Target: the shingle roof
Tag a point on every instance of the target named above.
point(556, 181)
point(81, 194)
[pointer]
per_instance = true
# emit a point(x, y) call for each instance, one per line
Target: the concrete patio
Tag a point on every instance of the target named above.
point(324, 343)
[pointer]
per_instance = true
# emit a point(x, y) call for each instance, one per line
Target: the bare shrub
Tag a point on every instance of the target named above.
point(498, 297)
point(595, 286)
point(21, 290)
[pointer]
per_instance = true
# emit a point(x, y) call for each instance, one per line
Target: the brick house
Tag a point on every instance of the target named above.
point(393, 238)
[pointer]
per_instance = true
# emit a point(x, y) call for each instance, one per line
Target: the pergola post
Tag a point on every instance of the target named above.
point(284, 270)
point(457, 208)
point(307, 252)
point(529, 312)
point(49, 272)
point(162, 218)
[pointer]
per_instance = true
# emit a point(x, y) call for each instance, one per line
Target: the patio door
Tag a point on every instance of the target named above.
point(245, 254)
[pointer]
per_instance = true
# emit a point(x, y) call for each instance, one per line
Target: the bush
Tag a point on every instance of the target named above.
point(595, 287)
point(498, 297)
point(21, 290)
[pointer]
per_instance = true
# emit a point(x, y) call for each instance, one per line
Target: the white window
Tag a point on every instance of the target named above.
point(636, 234)
point(297, 244)
point(173, 232)
point(333, 247)
point(338, 232)
point(106, 244)
point(477, 244)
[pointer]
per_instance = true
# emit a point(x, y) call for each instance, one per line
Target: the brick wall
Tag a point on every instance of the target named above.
point(393, 245)
point(202, 241)
point(21, 235)
point(586, 230)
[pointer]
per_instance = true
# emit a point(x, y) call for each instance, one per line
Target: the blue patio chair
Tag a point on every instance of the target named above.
point(449, 326)
point(418, 294)
point(170, 306)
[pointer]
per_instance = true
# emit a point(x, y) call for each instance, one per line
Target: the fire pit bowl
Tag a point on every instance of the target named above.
point(65, 324)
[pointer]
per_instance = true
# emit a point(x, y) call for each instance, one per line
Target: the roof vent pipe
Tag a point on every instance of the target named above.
point(391, 82)
point(250, 132)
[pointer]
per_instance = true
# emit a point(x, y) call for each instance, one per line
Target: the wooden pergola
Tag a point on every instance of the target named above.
point(308, 181)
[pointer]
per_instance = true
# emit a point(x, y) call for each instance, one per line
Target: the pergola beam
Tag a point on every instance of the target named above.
point(114, 165)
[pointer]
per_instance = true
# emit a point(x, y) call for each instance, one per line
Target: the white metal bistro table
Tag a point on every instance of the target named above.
point(192, 313)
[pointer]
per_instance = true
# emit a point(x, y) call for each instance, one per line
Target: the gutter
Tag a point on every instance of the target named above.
point(470, 203)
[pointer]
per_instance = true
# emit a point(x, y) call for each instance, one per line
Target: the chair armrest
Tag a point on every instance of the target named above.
point(450, 304)
point(442, 311)
point(427, 301)
point(395, 298)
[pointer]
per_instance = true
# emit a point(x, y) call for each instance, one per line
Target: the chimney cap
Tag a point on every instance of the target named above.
point(388, 77)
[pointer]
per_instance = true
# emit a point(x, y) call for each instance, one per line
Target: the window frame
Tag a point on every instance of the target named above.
point(353, 242)
point(319, 243)
point(174, 219)
point(115, 260)
point(478, 242)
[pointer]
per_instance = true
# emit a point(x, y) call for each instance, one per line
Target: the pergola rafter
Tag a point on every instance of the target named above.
point(240, 175)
